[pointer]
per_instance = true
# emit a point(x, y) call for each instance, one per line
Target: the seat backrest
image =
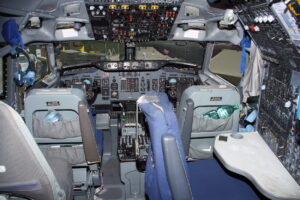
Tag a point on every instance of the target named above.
point(24, 170)
point(64, 100)
point(65, 132)
point(207, 98)
point(162, 122)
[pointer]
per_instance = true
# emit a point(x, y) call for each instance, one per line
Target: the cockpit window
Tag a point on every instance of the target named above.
point(39, 55)
point(77, 52)
point(190, 52)
point(225, 62)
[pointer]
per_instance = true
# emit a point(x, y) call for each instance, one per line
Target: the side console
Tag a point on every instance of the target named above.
point(274, 28)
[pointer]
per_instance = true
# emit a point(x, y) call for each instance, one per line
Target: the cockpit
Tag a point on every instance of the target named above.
point(149, 99)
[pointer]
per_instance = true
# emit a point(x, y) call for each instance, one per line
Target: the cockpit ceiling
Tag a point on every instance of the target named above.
point(122, 21)
point(14, 7)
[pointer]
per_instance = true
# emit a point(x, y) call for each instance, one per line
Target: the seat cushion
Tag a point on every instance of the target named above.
point(210, 181)
point(63, 173)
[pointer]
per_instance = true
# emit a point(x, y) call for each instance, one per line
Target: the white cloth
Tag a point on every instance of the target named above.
point(252, 78)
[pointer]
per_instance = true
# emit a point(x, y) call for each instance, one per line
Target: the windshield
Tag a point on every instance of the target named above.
point(77, 52)
point(190, 52)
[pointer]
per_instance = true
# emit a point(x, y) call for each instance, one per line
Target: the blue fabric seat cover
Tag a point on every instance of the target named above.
point(160, 123)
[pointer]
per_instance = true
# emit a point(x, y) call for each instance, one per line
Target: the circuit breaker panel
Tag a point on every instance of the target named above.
point(277, 116)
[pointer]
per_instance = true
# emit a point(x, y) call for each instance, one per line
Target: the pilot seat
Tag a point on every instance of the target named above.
point(71, 138)
point(170, 176)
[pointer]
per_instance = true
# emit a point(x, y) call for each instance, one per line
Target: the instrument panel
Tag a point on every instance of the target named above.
point(127, 20)
point(103, 87)
point(130, 66)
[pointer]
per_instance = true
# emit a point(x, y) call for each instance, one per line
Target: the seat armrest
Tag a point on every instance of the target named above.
point(187, 126)
point(88, 135)
point(176, 175)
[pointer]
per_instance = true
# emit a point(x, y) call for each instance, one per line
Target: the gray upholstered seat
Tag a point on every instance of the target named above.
point(24, 171)
point(72, 137)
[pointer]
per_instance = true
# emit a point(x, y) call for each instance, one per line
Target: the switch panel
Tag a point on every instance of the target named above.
point(132, 21)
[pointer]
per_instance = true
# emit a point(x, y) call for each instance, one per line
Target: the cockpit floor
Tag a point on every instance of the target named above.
point(112, 187)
